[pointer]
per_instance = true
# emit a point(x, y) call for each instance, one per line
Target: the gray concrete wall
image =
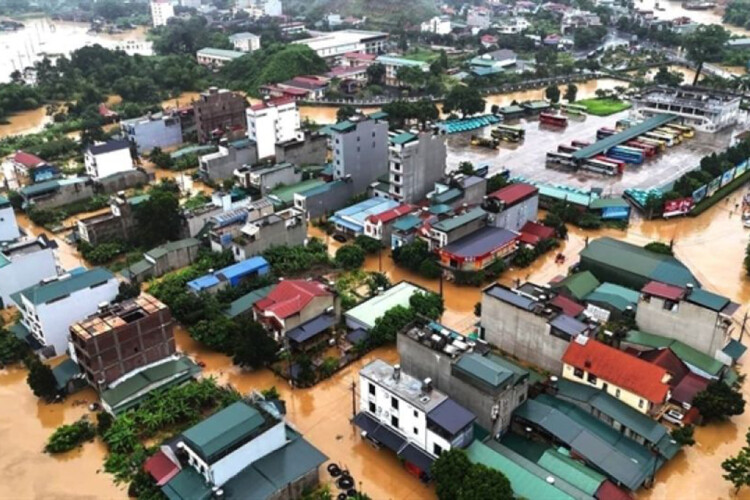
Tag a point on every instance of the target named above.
point(122, 181)
point(361, 154)
point(312, 151)
point(149, 134)
point(694, 325)
point(423, 164)
point(522, 334)
point(286, 176)
point(329, 201)
point(515, 217)
point(272, 235)
point(221, 168)
point(474, 195)
point(421, 361)
point(466, 230)
point(66, 195)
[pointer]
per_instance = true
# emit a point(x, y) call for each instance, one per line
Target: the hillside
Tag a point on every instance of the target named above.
point(390, 12)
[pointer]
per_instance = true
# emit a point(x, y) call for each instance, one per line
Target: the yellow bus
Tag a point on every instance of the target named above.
point(685, 130)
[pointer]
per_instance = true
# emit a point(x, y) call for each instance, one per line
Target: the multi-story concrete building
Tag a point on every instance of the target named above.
point(394, 63)
point(243, 451)
point(489, 386)
point(416, 163)
point(332, 46)
point(245, 42)
point(379, 226)
point(478, 17)
point(641, 385)
point(705, 109)
point(272, 122)
point(222, 164)
point(121, 338)
point(57, 192)
point(162, 259)
point(219, 113)
point(352, 220)
point(360, 150)
point(285, 228)
point(161, 12)
point(410, 416)
point(8, 225)
point(119, 224)
point(107, 158)
point(695, 316)
point(265, 179)
point(454, 228)
point(153, 130)
point(438, 25)
point(513, 206)
point(523, 323)
point(24, 263)
point(51, 306)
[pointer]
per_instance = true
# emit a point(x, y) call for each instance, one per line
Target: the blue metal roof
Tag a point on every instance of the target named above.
point(510, 297)
point(348, 225)
point(451, 416)
point(311, 328)
point(204, 282)
point(248, 266)
point(569, 325)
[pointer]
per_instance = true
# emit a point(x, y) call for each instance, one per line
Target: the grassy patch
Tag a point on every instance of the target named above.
point(421, 54)
point(604, 107)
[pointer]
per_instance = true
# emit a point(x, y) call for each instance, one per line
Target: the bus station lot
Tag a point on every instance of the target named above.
point(527, 159)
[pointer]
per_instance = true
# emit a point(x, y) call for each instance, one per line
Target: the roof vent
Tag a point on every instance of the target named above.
point(581, 339)
point(427, 385)
point(424, 399)
point(550, 480)
point(396, 372)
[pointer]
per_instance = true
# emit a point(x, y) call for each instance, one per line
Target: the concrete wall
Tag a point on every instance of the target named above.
point(692, 324)
point(122, 181)
point(422, 165)
point(515, 217)
point(221, 165)
point(8, 225)
point(271, 235)
point(474, 194)
point(65, 195)
point(312, 151)
point(24, 271)
point(151, 133)
point(297, 489)
point(230, 465)
point(361, 154)
point(326, 202)
point(522, 334)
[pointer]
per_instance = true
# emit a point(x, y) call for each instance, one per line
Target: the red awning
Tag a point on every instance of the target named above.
point(161, 468)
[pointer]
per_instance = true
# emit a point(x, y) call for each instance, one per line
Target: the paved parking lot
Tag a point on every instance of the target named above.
point(527, 159)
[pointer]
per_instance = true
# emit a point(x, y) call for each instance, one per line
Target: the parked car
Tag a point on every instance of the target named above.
point(674, 416)
point(340, 238)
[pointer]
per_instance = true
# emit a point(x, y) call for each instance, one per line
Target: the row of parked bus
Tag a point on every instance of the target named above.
point(508, 133)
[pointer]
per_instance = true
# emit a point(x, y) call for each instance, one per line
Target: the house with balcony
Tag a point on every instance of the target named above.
point(283, 228)
point(410, 417)
point(265, 179)
point(513, 206)
point(379, 226)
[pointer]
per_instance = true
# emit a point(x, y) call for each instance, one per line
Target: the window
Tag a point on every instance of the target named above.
point(372, 389)
point(578, 372)
point(521, 398)
point(394, 403)
point(617, 393)
point(415, 414)
point(394, 421)
point(592, 379)
point(372, 407)
point(437, 450)
point(640, 403)
point(416, 431)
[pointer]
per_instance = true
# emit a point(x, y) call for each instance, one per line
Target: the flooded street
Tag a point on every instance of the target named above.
point(671, 9)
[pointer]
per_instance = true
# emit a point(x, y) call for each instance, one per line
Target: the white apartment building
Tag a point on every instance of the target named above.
point(400, 411)
point(245, 42)
point(23, 264)
point(439, 25)
point(161, 11)
point(51, 306)
point(8, 226)
point(103, 159)
point(335, 44)
point(514, 26)
point(271, 122)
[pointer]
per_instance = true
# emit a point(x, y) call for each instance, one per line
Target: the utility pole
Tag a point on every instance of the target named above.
point(742, 331)
point(354, 399)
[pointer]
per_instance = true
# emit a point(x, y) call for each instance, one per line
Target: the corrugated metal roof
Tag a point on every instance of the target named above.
point(707, 299)
point(370, 310)
point(616, 296)
point(289, 463)
point(448, 225)
point(47, 292)
point(510, 297)
point(246, 302)
point(311, 328)
point(451, 416)
point(448, 196)
point(615, 202)
point(579, 284)
point(626, 135)
point(574, 472)
point(483, 369)
point(687, 354)
point(225, 429)
point(479, 243)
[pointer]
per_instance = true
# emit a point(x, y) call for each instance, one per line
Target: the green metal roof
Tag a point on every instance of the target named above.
point(65, 372)
point(44, 187)
point(616, 202)
point(446, 196)
point(47, 292)
point(483, 369)
point(4, 201)
point(631, 265)
point(407, 222)
point(448, 225)
point(131, 391)
point(524, 483)
point(136, 269)
point(187, 484)
point(579, 284)
point(572, 471)
point(403, 138)
point(247, 301)
point(137, 200)
point(342, 127)
point(519, 372)
point(229, 54)
point(734, 349)
point(707, 299)
point(536, 105)
point(4, 261)
point(687, 354)
point(320, 189)
point(222, 430)
point(626, 135)
point(616, 296)
point(286, 193)
point(378, 115)
point(440, 208)
point(289, 463)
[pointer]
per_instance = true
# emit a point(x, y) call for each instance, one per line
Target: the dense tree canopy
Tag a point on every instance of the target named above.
point(466, 100)
point(158, 218)
point(457, 478)
point(705, 44)
point(719, 401)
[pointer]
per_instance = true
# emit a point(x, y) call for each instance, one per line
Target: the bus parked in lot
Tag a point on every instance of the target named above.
point(561, 159)
point(600, 167)
point(648, 149)
point(666, 139)
point(553, 119)
point(685, 130)
point(562, 148)
point(509, 133)
point(626, 154)
point(573, 109)
point(580, 144)
point(604, 132)
point(658, 144)
point(620, 164)
point(676, 137)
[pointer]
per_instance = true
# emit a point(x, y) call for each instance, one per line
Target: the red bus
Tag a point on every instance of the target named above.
point(618, 163)
point(580, 144)
point(604, 132)
point(554, 120)
point(649, 149)
point(562, 148)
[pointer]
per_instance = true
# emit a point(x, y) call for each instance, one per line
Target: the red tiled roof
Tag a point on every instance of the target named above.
point(489, 38)
point(533, 232)
point(28, 160)
point(690, 385)
point(290, 297)
point(510, 195)
point(668, 360)
point(619, 368)
point(161, 468)
point(663, 290)
point(391, 214)
point(568, 306)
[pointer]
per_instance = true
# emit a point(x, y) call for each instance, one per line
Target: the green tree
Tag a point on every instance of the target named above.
point(253, 347)
point(659, 247)
point(427, 304)
point(466, 100)
point(705, 44)
point(684, 435)
point(456, 478)
point(158, 218)
point(375, 74)
point(345, 112)
point(669, 78)
point(160, 158)
point(466, 168)
point(40, 379)
point(377, 281)
point(387, 326)
point(571, 91)
point(67, 437)
point(719, 401)
point(523, 257)
point(12, 350)
point(552, 93)
point(369, 245)
point(737, 469)
point(350, 256)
